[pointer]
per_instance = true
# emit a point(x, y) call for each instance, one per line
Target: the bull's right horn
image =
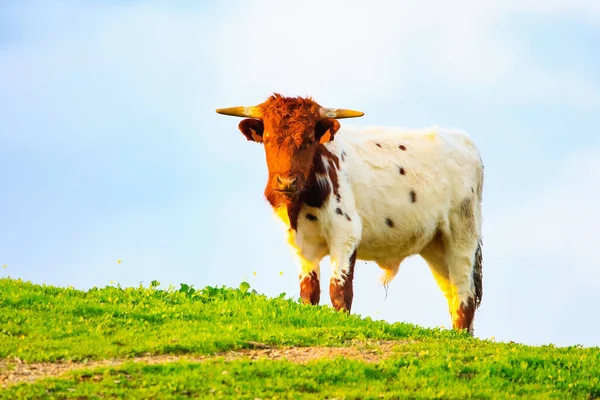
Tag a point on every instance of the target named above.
point(249, 112)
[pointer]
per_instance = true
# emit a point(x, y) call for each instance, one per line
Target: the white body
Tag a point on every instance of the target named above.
point(434, 206)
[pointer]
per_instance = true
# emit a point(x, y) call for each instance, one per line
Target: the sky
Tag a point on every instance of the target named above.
point(110, 147)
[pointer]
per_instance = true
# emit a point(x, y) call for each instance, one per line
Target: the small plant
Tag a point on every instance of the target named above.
point(244, 287)
point(187, 289)
point(154, 284)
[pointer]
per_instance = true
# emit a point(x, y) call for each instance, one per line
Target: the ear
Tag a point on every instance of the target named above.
point(252, 129)
point(325, 130)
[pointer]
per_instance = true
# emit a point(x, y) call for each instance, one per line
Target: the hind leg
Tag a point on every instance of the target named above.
point(461, 242)
point(435, 256)
point(463, 299)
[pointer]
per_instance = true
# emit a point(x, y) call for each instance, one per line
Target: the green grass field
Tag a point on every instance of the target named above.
point(215, 328)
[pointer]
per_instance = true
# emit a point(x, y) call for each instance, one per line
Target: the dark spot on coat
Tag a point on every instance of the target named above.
point(311, 217)
point(343, 156)
point(338, 198)
point(402, 171)
point(468, 216)
point(389, 222)
point(377, 144)
point(413, 196)
point(402, 147)
point(347, 217)
point(339, 211)
point(466, 209)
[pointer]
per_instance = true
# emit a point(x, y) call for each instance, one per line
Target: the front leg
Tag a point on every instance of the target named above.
point(341, 289)
point(310, 288)
point(308, 255)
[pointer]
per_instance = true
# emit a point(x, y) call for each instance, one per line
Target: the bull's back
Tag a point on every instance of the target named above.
point(404, 184)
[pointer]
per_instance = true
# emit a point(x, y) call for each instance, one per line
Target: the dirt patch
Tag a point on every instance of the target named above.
point(14, 371)
point(371, 352)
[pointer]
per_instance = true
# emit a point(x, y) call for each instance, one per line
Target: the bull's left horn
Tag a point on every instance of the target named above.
point(339, 113)
point(249, 112)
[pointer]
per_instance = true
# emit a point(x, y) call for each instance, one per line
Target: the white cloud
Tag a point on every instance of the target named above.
point(562, 220)
point(351, 53)
point(542, 258)
point(589, 8)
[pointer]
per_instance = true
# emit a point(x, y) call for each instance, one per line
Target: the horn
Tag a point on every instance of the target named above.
point(250, 112)
point(339, 113)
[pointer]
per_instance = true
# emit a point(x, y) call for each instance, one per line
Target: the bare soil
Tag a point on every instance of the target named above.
point(14, 371)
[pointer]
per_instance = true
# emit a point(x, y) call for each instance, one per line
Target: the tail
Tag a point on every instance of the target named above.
point(478, 274)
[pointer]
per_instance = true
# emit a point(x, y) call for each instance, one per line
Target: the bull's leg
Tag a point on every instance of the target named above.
point(461, 242)
point(310, 288)
point(435, 256)
point(341, 289)
point(308, 257)
point(460, 265)
point(463, 301)
point(343, 240)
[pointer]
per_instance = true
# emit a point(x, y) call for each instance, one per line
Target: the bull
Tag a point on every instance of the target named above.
point(377, 194)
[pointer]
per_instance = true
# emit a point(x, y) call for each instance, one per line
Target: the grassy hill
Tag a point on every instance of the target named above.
point(148, 342)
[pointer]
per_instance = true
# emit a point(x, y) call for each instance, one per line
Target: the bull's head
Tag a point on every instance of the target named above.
point(290, 130)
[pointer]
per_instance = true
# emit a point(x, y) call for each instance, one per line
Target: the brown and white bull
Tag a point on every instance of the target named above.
point(378, 194)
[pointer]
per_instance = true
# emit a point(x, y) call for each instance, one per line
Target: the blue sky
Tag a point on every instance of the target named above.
point(111, 149)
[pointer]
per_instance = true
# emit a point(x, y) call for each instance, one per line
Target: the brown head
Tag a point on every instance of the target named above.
point(291, 129)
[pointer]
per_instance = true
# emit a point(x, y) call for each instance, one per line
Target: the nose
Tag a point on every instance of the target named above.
point(286, 183)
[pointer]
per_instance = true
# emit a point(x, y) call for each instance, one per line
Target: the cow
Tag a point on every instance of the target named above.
point(377, 194)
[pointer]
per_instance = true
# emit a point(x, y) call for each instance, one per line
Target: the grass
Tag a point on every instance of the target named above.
point(44, 323)
point(404, 377)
